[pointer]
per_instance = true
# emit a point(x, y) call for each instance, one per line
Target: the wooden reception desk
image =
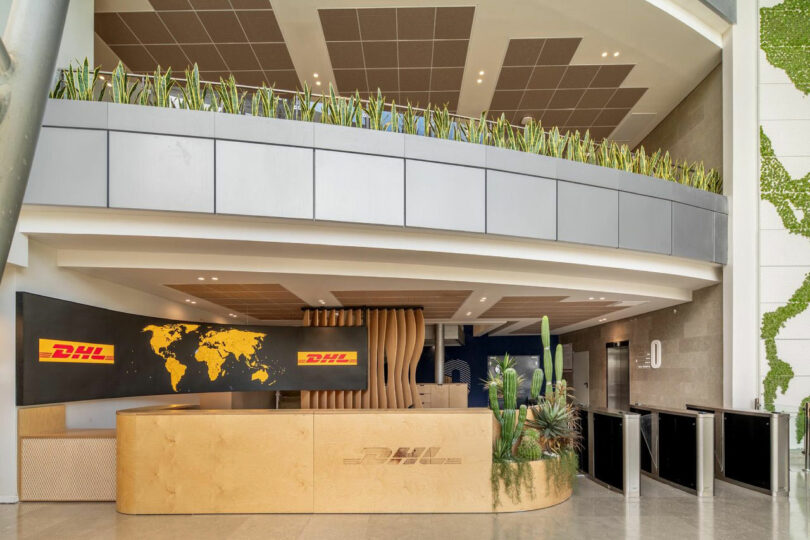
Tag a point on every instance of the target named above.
point(184, 460)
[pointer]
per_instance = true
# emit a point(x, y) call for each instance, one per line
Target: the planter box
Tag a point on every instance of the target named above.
point(546, 493)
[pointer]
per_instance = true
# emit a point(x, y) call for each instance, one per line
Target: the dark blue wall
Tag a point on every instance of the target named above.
point(475, 352)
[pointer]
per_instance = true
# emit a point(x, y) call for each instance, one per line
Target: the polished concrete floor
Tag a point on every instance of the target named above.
point(593, 512)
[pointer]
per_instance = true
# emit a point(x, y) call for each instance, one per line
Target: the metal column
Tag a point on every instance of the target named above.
point(27, 61)
point(438, 369)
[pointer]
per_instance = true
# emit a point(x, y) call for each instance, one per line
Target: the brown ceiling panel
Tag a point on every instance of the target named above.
point(560, 312)
point(224, 37)
point(416, 42)
point(440, 304)
point(264, 301)
point(560, 94)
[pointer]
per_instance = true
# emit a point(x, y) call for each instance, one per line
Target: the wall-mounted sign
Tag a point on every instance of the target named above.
point(69, 352)
point(655, 353)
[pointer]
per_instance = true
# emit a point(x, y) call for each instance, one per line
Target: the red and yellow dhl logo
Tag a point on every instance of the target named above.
point(53, 350)
point(327, 358)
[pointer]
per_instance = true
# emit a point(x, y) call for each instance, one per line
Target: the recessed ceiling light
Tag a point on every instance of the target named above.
point(616, 53)
point(200, 278)
point(214, 278)
point(604, 54)
point(591, 298)
point(317, 83)
point(321, 301)
point(230, 314)
point(481, 72)
point(102, 77)
point(315, 75)
point(601, 298)
point(469, 313)
point(193, 302)
point(602, 320)
point(483, 299)
point(479, 81)
point(188, 299)
point(109, 84)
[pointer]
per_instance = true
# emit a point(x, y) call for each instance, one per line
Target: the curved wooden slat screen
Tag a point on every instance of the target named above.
point(396, 338)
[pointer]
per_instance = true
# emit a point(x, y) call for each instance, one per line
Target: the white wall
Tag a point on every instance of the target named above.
point(77, 38)
point(42, 276)
point(784, 114)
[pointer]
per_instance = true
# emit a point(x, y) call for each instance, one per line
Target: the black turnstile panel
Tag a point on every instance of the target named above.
point(747, 448)
point(582, 452)
point(645, 440)
point(608, 455)
point(677, 449)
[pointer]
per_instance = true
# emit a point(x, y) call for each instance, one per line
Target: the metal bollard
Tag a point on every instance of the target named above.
point(806, 413)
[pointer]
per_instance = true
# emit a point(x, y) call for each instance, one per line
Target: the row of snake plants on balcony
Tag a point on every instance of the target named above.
point(162, 89)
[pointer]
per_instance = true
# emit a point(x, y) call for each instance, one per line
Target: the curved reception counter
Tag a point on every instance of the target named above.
point(184, 460)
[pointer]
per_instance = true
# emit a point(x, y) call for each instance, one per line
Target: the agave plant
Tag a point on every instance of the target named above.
point(162, 84)
point(80, 84)
point(557, 425)
point(194, 93)
point(228, 97)
point(123, 91)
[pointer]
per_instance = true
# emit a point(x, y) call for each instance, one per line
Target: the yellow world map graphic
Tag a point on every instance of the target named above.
point(214, 347)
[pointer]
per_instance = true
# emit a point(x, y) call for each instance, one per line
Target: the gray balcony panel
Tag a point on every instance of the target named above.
point(161, 172)
point(449, 197)
point(161, 120)
point(69, 168)
point(645, 185)
point(263, 130)
point(366, 141)
point(720, 238)
point(444, 151)
point(521, 162)
point(645, 223)
point(692, 232)
point(519, 205)
point(587, 214)
point(585, 173)
point(700, 198)
point(359, 188)
point(264, 180)
point(77, 114)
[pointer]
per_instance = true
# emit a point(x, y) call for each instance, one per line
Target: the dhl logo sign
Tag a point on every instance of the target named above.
point(402, 456)
point(52, 350)
point(327, 358)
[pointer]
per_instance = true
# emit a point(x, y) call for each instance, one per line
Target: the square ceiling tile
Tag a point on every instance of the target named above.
point(513, 78)
point(446, 79)
point(610, 117)
point(380, 54)
point(378, 23)
point(169, 56)
point(536, 99)
point(206, 56)
point(416, 99)
point(384, 79)
point(565, 99)
point(558, 51)
point(283, 79)
point(211, 4)
point(556, 117)
point(523, 52)
point(111, 28)
point(251, 4)
point(415, 53)
point(596, 98)
point(583, 117)
point(534, 114)
point(506, 99)
point(454, 22)
point(185, 26)
point(414, 79)
point(135, 57)
point(415, 23)
point(147, 27)
point(222, 26)
point(345, 54)
point(610, 76)
point(170, 4)
point(546, 77)
point(578, 76)
point(599, 133)
point(250, 78)
point(441, 99)
point(451, 53)
point(626, 97)
point(273, 55)
point(238, 56)
point(214, 76)
point(339, 24)
point(260, 26)
point(349, 80)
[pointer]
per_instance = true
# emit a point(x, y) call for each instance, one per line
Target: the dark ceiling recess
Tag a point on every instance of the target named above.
point(411, 54)
point(538, 80)
point(264, 301)
point(438, 304)
point(222, 36)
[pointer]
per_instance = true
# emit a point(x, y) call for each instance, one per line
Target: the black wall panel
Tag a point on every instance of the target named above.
point(608, 461)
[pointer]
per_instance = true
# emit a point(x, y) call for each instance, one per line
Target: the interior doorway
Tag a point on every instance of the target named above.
point(582, 369)
point(618, 375)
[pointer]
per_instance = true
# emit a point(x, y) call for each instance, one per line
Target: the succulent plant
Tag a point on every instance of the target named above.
point(510, 419)
point(529, 447)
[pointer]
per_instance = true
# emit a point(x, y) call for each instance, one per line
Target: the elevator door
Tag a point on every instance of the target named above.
point(618, 375)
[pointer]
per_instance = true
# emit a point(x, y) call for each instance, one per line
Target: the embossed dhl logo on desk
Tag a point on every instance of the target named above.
point(405, 455)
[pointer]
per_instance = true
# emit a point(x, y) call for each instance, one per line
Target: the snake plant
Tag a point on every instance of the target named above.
point(123, 91)
point(80, 84)
point(194, 93)
point(228, 97)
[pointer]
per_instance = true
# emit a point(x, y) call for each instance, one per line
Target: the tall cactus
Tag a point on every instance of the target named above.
point(537, 383)
point(510, 419)
point(546, 335)
point(558, 375)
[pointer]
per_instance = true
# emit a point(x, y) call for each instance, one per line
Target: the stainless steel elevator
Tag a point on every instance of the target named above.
point(618, 375)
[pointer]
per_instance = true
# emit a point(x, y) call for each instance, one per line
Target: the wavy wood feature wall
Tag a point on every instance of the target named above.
point(396, 338)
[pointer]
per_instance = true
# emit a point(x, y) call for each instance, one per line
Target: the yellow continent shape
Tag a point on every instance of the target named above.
point(162, 337)
point(215, 345)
